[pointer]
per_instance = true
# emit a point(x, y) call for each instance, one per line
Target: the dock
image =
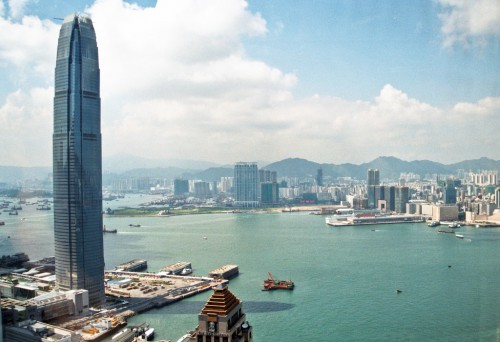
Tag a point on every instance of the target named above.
point(176, 268)
point(133, 265)
point(224, 272)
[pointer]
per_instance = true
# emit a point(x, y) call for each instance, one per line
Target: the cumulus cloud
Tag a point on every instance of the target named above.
point(17, 8)
point(464, 20)
point(176, 82)
point(26, 128)
point(28, 50)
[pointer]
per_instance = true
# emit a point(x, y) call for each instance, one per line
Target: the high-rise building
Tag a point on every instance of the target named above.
point(402, 195)
point(245, 184)
point(202, 190)
point(373, 179)
point(269, 193)
point(222, 319)
point(77, 161)
point(319, 177)
point(181, 187)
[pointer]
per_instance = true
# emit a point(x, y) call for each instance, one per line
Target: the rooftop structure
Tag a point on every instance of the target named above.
point(222, 319)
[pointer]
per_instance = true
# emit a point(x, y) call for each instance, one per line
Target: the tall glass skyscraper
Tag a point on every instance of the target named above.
point(77, 161)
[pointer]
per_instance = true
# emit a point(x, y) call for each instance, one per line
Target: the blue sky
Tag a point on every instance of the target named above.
point(231, 80)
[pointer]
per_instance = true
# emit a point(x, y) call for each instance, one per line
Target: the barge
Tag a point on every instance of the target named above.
point(133, 266)
point(224, 272)
point(273, 284)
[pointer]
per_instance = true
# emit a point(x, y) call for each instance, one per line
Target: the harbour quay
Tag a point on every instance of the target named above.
point(224, 272)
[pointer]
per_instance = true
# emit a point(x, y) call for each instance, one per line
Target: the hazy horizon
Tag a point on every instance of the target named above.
point(230, 80)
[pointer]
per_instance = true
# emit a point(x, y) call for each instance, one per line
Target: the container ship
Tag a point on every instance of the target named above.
point(274, 284)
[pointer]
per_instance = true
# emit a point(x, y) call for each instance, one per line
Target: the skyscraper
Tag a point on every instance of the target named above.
point(373, 179)
point(77, 161)
point(246, 181)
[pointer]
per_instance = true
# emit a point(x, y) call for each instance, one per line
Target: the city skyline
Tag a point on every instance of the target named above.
point(78, 222)
point(232, 80)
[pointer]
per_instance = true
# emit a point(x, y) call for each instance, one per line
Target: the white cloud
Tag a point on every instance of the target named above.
point(1, 9)
point(28, 48)
point(463, 20)
point(26, 128)
point(17, 8)
point(176, 83)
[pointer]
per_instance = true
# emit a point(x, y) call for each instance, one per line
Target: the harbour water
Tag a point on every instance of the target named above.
point(346, 278)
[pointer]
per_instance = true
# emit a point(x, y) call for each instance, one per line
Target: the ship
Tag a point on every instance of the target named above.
point(377, 219)
point(105, 230)
point(434, 224)
point(274, 284)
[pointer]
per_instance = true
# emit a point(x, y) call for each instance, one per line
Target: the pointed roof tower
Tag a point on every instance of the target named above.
point(222, 316)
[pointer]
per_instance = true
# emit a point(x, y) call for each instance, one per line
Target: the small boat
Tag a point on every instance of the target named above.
point(13, 212)
point(186, 271)
point(109, 230)
point(460, 236)
point(272, 284)
point(134, 225)
point(149, 334)
point(2, 223)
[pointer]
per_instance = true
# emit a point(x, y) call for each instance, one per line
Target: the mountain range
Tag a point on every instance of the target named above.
point(126, 167)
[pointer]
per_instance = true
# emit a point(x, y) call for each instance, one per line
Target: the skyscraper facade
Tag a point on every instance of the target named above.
point(77, 161)
point(373, 179)
point(246, 181)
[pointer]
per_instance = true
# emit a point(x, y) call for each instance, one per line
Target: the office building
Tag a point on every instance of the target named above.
point(181, 187)
point(402, 196)
point(373, 177)
point(202, 190)
point(269, 193)
point(319, 177)
point(390, 196)
point(372, 180)
point(245, 183)
point(77, 162)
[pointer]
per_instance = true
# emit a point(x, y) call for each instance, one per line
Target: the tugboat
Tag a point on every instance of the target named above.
point(272, 284)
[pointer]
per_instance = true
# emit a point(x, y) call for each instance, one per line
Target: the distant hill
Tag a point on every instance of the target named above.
point(12, 174)
point(122, 163)
point(390, 168)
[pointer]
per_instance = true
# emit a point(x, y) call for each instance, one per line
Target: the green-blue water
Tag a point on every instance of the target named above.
point(346, 278)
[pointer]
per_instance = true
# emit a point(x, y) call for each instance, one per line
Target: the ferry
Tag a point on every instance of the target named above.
point(378, 219)
point(460, 236)
point(434, 224)
point(272, 284)
point(343, 214)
